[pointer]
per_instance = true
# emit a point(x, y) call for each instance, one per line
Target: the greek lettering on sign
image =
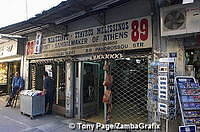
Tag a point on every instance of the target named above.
point(129, 34)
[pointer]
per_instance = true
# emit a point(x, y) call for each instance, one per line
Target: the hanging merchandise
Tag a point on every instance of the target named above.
point(108, 80)
point(189, 100)
point(107, 97)
point(153, 86)
point(166, 88)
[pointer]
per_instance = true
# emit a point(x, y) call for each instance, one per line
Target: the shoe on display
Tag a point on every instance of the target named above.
point(7, 105)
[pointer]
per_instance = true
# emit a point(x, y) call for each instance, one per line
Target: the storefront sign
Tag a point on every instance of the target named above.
point(125, 35)
point(38, 43)
point(30, 47)
point(8, 48)
point(106, 56)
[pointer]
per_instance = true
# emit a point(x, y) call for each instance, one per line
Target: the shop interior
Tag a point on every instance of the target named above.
point(7, 72)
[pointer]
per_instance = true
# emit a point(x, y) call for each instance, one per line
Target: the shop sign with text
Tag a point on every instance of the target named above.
point(8, 48)
point(125, 35)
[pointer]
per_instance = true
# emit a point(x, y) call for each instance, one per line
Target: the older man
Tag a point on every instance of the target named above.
point(17, 85)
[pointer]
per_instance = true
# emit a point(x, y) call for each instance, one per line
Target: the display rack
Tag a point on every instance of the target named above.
point(153, 90)
point(166, 86)
point(189, 99)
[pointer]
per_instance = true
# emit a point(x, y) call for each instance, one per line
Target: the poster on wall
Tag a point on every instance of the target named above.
point(48, 69)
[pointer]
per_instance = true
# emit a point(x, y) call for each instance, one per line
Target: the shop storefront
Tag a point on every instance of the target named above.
point(127, 54)
point(56, 68)
point(10, 62)
point(76, 62)
point(129, 87)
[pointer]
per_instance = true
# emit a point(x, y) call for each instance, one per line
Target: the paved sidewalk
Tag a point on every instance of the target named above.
point(13, 121)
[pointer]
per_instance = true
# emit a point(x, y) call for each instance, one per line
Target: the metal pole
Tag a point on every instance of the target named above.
point(57, 88)
point(105, 106)
point(167, 124)
point(27, 9)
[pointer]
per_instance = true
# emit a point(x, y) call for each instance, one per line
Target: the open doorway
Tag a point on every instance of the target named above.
point(57, 72)
point(92, 108)
point(192, 63)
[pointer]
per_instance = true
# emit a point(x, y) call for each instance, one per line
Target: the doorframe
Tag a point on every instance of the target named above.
point(80, 87)
point(80, 98)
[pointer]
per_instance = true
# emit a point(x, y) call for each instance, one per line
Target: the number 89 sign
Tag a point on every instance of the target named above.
point(140, 32)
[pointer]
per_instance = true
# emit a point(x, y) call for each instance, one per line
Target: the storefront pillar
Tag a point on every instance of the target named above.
point(69, 89)
point(26, 73)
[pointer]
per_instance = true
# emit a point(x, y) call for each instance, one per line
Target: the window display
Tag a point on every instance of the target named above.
point(3, 73)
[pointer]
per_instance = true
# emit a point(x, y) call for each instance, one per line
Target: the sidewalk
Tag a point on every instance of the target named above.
point(13, 121)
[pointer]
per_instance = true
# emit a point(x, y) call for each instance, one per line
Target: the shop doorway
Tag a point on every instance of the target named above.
point(13, 67)
point(57, 72)
point(60, 98)
point(90, 90)
point(192, 63)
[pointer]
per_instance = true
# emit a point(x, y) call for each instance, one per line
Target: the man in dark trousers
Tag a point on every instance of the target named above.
point(17, 85)
point(49, 92)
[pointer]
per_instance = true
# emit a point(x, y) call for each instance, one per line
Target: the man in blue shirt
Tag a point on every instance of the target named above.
point(17, 85)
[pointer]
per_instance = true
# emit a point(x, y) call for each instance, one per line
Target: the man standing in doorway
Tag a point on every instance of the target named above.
point(49, 91)
point(17, 86)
